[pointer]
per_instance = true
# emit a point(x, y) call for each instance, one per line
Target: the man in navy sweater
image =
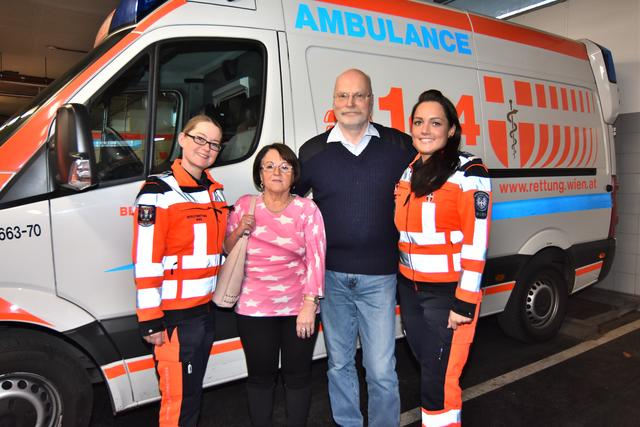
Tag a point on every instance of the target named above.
point(352, 170)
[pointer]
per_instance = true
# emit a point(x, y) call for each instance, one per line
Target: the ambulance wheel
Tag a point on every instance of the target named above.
point(537, 305)
point(41, 383)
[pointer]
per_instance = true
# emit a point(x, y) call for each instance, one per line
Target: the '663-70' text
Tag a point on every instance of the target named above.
point(12, 232)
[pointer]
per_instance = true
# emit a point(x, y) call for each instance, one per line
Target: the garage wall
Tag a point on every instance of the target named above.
point(613, 24)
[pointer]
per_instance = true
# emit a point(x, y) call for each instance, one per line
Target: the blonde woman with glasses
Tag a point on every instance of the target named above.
point(181, 215)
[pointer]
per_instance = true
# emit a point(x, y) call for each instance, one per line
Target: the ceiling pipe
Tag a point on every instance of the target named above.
point(13, 77)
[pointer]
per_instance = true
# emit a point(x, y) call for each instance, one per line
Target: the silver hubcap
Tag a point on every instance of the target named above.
point(541, 304)
point(29, 399)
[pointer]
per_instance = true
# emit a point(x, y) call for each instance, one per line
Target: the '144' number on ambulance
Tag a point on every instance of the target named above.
point(394, 104)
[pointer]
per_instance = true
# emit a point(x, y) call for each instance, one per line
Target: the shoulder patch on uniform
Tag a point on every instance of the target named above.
point(481, 204)
point(146, 215)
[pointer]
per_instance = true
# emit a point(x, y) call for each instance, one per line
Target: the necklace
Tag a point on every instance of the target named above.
point(275, 211)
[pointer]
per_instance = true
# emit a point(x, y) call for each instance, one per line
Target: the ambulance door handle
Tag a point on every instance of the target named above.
point(609, 188)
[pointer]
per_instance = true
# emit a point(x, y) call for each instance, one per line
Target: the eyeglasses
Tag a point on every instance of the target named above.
point(214, 145)
point(343, 97)
point(271, 167)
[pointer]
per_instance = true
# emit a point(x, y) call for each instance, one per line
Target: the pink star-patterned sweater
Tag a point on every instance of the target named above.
point(285, 257)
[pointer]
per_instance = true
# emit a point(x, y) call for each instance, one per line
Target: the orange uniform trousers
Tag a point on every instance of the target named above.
point(181, 363)
point(441, 352)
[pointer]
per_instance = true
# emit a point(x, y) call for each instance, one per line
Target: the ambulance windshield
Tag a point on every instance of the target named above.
point(10, 126)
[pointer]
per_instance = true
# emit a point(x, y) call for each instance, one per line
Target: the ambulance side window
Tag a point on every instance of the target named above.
point(166, 132)
point(119, 124)
point(223, 79)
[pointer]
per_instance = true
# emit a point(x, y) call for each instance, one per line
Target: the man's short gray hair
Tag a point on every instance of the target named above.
point(362, 73)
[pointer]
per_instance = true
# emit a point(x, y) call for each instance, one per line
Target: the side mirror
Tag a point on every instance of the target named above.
point(75, 161)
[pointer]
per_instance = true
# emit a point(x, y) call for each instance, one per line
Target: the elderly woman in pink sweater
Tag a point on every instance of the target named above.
point(284, 278)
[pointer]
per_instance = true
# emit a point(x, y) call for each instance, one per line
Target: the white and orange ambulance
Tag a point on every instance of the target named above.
point(537, 108)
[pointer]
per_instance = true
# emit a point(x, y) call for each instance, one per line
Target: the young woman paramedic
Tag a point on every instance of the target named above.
point(443, 210)
point(180, 223)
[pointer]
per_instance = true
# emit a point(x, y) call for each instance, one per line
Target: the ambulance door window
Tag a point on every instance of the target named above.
point(166, 132)
point(119, 124)
point(223, 79)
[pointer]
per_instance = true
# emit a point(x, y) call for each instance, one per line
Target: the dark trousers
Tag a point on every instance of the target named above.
point(181, 363)
point(267, 340)
point(441, 352)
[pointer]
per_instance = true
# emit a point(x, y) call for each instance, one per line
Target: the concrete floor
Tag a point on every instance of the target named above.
point(588, 375)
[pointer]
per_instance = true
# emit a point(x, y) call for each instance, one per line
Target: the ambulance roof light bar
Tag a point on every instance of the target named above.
point(607, 56)
point(131, 12)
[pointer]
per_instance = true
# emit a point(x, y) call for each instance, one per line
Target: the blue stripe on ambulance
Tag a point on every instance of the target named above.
point(550, 205)
point(121, 268)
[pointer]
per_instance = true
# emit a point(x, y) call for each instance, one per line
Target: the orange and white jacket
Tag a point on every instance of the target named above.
point(444, 235)
point(177, 244)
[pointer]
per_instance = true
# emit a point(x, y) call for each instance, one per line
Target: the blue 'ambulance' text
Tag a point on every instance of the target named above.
point(335, 21)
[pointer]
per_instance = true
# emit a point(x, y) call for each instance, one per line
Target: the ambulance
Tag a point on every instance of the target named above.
point(538, 108)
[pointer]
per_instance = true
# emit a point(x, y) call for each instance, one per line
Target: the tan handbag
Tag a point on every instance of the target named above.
point(231, 274)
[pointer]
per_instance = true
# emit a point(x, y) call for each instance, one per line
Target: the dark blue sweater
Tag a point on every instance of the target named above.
point(355, 196)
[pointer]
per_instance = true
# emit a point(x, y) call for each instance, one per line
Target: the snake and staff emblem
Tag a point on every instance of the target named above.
point(514, 128)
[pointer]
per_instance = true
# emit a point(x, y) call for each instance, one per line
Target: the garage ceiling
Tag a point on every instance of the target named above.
point(30, 31)
point(498, 8)
point(41, 39)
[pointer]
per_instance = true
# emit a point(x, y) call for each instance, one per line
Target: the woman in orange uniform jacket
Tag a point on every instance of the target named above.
point(180, 223)
point(443, 210)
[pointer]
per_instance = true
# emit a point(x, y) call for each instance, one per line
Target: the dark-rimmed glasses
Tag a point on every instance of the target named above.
point(213, 145)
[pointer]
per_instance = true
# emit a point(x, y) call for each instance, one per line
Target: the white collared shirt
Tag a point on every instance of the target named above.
point(336, 135)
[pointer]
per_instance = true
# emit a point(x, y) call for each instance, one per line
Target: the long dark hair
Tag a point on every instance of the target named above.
point(428, 176)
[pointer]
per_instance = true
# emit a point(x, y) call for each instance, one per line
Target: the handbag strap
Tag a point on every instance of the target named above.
point(252, 209)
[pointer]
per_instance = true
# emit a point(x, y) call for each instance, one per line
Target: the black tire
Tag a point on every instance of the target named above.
point(41, 382)
point(537, 305)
